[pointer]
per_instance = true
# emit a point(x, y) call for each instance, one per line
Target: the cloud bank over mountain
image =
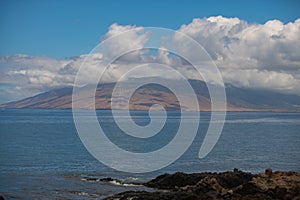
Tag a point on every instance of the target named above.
point(264, 56)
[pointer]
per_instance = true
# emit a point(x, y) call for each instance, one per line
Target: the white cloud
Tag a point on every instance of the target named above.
point(249, 55)
point(263, 79)
point(132, 38)
point(214, 33)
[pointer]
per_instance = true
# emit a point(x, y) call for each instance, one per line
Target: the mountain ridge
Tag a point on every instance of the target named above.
point(238, 99)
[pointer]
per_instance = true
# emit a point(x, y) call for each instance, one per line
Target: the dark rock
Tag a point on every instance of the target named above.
point(106, 179)
point(171, 181)
point(233, 179)
point(91, 179)
point(248, 188)
point(269, 172)
point(143, 195)
point(226, 179)
point(234, 185)
point(280, 192)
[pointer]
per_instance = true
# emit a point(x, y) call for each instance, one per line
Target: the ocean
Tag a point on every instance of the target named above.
point(42, 156)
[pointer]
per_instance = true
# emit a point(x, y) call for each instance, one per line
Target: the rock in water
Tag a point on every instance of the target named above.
point(220, 186)
point(269, 172)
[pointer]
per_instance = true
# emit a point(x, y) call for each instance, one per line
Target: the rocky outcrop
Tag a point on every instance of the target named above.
point(226, 185)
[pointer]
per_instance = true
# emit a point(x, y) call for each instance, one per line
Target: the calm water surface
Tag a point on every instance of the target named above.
point(42, 156)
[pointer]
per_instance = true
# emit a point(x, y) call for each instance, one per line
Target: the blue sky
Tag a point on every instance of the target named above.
point(64, 28)
point(251, 48)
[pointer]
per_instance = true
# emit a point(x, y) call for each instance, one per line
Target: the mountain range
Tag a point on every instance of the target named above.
point(238, 98)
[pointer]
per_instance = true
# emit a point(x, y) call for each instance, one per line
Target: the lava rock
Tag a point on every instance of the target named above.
point(220, 186)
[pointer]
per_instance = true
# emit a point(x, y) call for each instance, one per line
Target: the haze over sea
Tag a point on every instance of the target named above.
point(42, 156)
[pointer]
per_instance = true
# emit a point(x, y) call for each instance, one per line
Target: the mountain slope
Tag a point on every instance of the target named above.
point(238, 99)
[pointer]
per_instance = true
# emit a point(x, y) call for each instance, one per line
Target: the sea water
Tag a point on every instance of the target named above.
point(42, 156)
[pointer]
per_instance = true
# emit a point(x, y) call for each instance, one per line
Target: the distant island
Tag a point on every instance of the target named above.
point(238, 99)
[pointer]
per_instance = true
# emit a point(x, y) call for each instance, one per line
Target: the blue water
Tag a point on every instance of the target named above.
point(42, 156)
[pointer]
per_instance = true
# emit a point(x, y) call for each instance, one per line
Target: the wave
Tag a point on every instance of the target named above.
point(120, 183)
point(111, 181)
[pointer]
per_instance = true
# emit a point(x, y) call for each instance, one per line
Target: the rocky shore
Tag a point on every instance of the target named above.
point(226, 185)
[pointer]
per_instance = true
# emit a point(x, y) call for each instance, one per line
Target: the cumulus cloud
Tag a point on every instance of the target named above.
point(23, 75)
point(132, 38)
point(251, 55)
point(248, 55)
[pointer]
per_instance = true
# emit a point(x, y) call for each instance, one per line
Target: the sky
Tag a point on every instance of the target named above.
point(255, 43)
point(68, 28)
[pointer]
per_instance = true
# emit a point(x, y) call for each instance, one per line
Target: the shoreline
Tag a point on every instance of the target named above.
point(204, 111)
point(227, 185)
point(234, 184)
